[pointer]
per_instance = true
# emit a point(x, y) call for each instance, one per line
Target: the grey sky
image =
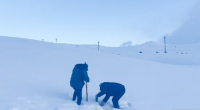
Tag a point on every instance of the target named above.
point(189, 31)
point(112, 22)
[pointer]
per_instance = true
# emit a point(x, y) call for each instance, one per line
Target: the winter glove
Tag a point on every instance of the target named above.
point(102, 103)
point(96, 98)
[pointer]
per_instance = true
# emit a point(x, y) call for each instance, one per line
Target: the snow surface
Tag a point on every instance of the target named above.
point(35, 75)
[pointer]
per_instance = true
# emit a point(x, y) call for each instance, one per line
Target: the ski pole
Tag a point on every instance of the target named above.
point(86, 92)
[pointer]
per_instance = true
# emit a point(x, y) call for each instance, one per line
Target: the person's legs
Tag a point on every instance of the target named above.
point(74, 95)
point(79, 95)
point(116, 98)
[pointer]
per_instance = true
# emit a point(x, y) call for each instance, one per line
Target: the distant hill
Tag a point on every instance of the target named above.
point(126, 44)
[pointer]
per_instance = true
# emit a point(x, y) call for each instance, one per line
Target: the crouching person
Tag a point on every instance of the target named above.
point(111, 89)
point(79, 75)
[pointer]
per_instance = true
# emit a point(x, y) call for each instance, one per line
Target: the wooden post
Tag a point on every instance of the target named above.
point(98, 45)
point(86, 92)
point(165, 51)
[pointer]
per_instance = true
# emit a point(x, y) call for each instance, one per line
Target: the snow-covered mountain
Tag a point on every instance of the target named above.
point(126, 44)
point(35, 75)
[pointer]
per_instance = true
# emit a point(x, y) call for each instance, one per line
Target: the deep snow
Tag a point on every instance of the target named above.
point(34, 75)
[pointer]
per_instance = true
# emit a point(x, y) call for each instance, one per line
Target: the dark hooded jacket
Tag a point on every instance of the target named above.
point(79, 75)
point(110, 89)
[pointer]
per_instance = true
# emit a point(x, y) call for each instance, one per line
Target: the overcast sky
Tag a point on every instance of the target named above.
point(112, 22)
point(189, 31)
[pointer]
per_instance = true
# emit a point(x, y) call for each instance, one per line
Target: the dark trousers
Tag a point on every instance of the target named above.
point(77, 93)
point(117, 96)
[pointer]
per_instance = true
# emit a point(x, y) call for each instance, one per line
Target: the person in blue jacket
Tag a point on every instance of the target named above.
point(111, 89)
point(79, 75)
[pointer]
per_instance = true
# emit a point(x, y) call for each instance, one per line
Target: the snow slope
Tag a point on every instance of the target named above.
point(34, 75)
point(154, 51)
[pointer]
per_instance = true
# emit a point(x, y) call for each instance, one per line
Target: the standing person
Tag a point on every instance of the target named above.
point(111, 89)
point(79, 75)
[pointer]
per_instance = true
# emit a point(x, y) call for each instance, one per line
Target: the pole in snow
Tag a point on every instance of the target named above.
point(86, 92)
point(165, 51)
point(98, 45)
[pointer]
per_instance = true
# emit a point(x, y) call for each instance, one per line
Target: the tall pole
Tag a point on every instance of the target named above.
point(98, 45)
point(165, 51)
